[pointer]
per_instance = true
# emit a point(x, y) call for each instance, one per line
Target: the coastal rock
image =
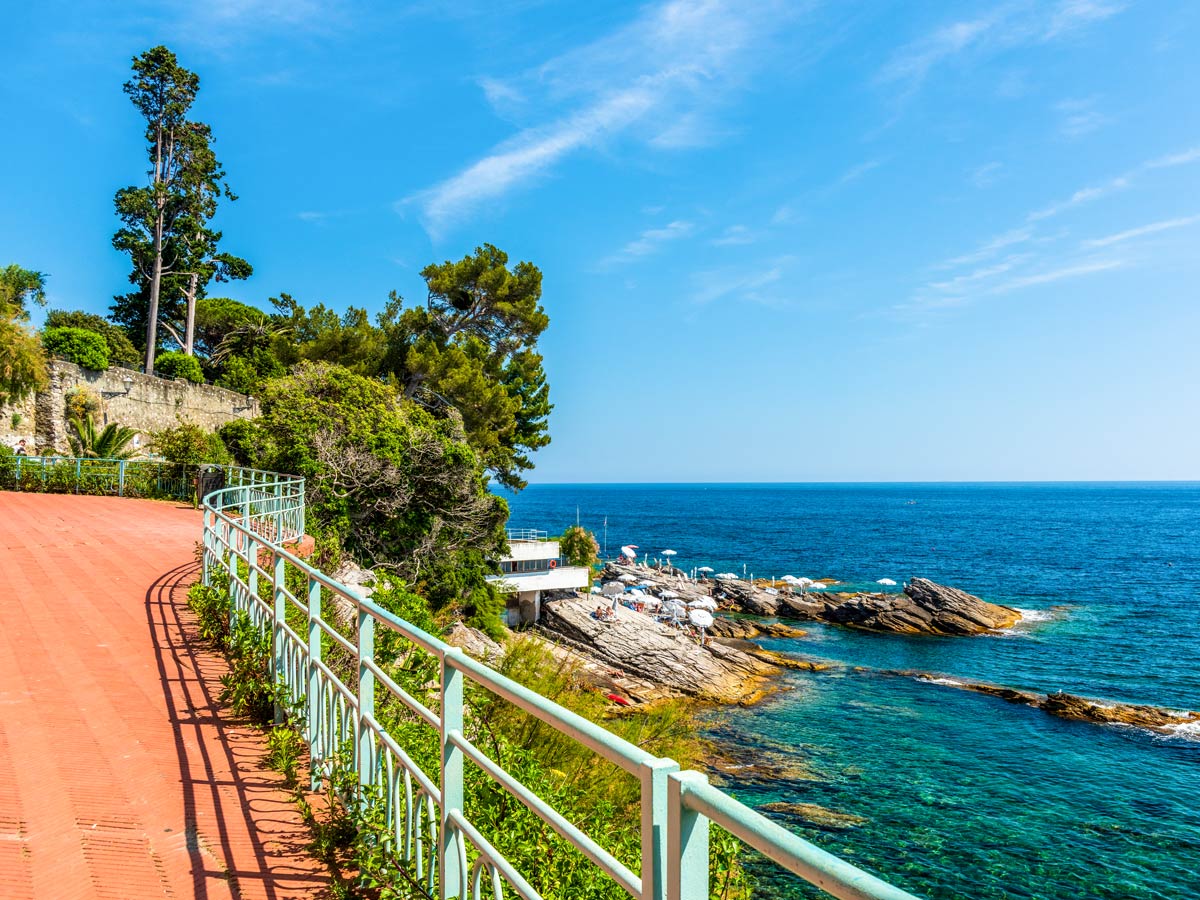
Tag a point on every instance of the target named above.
point(1156, 718)
point(923, 608)
point(811, 813)
point(1079, 709)
point(475, 642)
point(744, 629)
point(659, 654)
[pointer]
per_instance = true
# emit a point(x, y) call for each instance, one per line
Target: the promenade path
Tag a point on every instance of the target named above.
point(120, 777)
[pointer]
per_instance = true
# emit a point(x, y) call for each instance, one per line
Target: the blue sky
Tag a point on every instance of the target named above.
point(781, 241)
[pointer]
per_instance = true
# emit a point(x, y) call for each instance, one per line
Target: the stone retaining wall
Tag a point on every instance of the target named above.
point(144, 402)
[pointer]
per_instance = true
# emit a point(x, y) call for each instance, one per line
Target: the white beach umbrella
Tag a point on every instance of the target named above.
point(705, 569)
point(628, 579)
point(668, 553)
point(613, 588)
point(817, 586)
point(668, 595)
point(703, 603)
point(651, 601)
point(790, 579)
point(804, 581)
point(886, 581)
point(701, 618)
point(630, 550)
point(674, 607)
point(635, 594)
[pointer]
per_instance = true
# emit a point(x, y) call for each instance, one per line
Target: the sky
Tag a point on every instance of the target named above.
point(802, 241)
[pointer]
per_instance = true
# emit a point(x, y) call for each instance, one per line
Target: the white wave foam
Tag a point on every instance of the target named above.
point(1189, 730)
point(1036, 615)
point(952, 682)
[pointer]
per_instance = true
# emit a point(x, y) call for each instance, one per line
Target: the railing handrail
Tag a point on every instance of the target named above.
point(676, 806)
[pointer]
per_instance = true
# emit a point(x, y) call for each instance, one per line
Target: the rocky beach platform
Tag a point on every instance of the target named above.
point(656, 654)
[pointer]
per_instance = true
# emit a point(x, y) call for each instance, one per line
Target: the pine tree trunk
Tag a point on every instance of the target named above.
point(189, 332)
point(155, 288)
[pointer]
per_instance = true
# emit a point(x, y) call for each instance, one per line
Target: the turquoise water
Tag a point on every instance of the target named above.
point(963, 794)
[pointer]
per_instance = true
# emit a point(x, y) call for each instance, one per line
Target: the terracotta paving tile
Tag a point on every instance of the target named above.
point(120, 777)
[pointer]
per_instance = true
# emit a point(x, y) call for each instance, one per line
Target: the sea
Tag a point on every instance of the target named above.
point(943, 792)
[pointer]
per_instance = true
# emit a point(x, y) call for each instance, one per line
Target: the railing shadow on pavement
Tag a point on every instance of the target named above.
point(248, 802)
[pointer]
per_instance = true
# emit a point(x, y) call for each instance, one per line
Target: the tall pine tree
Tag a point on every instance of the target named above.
point(165, 225)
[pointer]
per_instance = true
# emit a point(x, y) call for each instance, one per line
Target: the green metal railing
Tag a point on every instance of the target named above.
point(76, 475)
point(427, 827)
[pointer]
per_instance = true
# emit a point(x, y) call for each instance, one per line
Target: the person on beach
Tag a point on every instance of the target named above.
point(22, 450)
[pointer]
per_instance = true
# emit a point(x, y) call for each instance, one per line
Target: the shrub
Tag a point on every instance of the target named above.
point(84, 348)
point(80, 403)
point(174, 364)
point(121, 351)
point(190, 445)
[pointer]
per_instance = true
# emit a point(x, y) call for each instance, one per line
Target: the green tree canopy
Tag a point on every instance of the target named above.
point(473, 347)
point(22, 359)
point(402, 486)
point(579, 547)
point(78, 345)
point(121, 351)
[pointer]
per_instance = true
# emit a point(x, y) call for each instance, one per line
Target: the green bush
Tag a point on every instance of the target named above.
point(174, 364)
point(84, 348)
point(190, 445)
point(121, 351)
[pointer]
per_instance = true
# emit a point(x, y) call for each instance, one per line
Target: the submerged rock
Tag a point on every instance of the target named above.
point(829, 819)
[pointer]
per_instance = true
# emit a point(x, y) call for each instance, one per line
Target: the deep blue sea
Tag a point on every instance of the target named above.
point(963, 795)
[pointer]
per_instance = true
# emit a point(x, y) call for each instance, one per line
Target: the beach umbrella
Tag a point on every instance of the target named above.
point(635, 594)
point(804, 581)
point(705, 569)
point(668, 553)
point(789, 579)
point(886, 581)
point(651, 601)
point(703, 603)
point(613, 588)
point(630, 550)
point(701, 618)
point(628, 579)
point(668, 595)
point(674, 607)
point(817, 586)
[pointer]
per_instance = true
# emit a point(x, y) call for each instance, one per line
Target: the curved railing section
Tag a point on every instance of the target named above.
point(427, 829)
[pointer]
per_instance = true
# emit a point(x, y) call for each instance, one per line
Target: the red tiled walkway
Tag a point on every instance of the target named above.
point(119, 777)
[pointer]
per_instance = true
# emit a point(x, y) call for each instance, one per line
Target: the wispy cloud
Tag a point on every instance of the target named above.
point(755, 284)
point(986, 175)
point(989, 248)
point(1005, 26)
point(650, 241)
point(1120, 182)
point(1080, 117)
point(657, 78)
point(734, 235)
point(1059, 274)
point(1141, 231)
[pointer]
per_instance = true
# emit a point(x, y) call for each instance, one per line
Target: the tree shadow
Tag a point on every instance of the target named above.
point(242, 827)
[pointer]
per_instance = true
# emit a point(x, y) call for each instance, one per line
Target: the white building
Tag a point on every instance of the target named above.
point(532, 567)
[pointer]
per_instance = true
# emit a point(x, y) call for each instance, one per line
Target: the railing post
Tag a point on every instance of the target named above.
point(654, 824)
point(366, 695)
point(78, 474)
point(252, 575)
point(451, 878)
point(313, 699)
point(121, 478)
point(687, 842)
point(278, 619)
